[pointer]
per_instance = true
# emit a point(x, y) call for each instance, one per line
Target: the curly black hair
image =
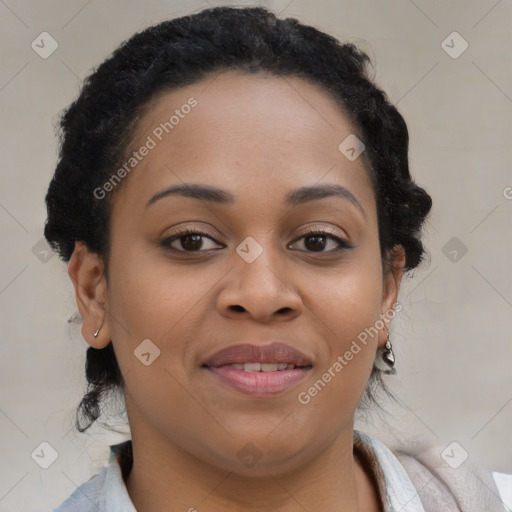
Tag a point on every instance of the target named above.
point(96, 129)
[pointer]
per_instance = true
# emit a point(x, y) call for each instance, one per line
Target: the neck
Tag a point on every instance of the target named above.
point(165, 477)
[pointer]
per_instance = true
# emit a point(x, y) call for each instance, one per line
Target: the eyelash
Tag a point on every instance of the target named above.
point(343, 245)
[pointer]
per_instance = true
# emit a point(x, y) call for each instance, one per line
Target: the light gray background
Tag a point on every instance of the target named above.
point(453, 337)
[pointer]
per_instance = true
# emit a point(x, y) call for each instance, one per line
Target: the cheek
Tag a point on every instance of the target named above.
point(144, 291)
point(347, 316)
point(346, 299)
point(158, 301)
point(163, 304)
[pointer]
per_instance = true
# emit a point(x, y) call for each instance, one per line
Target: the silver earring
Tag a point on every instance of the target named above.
point(387, 354)
point(98, 330)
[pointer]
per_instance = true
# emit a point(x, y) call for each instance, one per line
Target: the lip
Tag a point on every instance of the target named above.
point(275, 352)
point(259, 384)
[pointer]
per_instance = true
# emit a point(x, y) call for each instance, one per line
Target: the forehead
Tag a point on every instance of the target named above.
point(254, 134)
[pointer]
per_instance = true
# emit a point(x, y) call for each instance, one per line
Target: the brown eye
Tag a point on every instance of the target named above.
point(191, 242)
point(315, 242)
point(188, 241)
point(318, 241)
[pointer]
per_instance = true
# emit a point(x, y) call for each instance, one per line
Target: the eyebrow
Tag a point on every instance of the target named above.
point(295, 197)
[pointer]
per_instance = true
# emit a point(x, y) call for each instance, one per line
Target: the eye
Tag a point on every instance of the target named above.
point(193, 240)
point(316, 240)
point(190, 240)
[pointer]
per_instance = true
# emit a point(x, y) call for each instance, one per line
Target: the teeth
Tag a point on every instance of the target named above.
point(261, 367)
point(252, 367)
point(269, 367)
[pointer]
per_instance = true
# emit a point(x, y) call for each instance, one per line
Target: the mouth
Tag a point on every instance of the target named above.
point(260, 371)
point(260, 367)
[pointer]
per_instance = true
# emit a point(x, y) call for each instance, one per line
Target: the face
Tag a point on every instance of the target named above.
point(283, 255)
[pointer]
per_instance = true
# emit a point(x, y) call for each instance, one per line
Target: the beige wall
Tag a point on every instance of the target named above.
point(453, 337)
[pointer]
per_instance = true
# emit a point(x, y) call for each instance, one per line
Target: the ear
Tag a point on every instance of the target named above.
point(393, 273)
point(86, 271)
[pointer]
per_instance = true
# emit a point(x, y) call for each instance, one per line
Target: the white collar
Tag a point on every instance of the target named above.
point(397, 490)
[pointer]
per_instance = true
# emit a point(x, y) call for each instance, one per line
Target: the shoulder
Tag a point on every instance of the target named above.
point(86, 497)
point(418, 476)
point(106, 491)
point(446, 478)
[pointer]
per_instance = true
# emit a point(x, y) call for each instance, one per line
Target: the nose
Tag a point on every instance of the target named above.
point(262, 290)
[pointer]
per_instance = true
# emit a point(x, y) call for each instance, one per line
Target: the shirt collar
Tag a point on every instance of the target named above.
point(396, 488)
point(114, 496)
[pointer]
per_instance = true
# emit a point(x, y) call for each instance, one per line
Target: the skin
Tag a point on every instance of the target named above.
point(258, 137)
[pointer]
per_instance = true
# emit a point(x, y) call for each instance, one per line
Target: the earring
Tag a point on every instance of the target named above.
point(387, 354)
point(98, 330)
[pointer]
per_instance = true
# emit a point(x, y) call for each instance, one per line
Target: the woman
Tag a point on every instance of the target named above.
point(234, 201)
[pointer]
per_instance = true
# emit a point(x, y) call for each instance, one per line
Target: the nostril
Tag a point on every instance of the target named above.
point(237, 308)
